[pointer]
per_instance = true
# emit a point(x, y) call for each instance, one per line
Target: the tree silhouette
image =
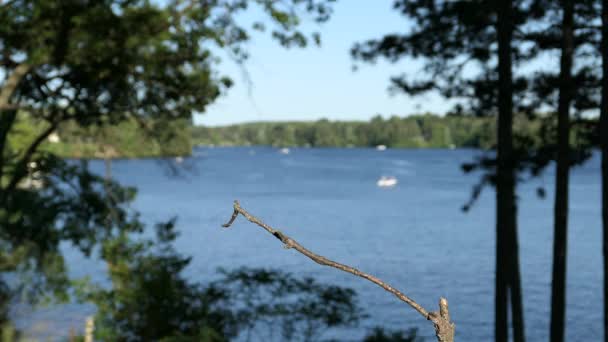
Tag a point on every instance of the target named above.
point(558, 289)
point(603, 132)
point(469, 49)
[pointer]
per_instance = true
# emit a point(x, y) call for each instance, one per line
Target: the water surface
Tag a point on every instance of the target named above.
point(413, 236)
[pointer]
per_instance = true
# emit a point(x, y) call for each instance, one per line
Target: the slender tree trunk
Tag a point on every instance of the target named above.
point(11, 84)
point(7, 119)
point(604, 149)
point(505, 181)
point(515, 280)
point(8, 112)
point(558, 290)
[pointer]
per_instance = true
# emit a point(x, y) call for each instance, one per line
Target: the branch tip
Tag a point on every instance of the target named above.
point(443, 309)
point(235, 213)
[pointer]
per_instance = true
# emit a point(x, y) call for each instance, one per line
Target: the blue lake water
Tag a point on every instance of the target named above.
point(414, 236)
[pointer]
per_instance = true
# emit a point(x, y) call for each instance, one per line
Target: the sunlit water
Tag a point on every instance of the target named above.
point(413, 236)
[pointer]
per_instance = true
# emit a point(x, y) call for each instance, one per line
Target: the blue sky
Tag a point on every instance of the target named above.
point(313, 83)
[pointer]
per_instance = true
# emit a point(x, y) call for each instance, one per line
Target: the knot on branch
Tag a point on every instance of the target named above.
point(288, 243)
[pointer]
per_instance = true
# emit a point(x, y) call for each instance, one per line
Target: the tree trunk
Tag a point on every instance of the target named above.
point(8, 111)
point(604, 149)
point(10, 86)
point(515, 280)
point(505, 181)
point(558, 289)
point(7, 119)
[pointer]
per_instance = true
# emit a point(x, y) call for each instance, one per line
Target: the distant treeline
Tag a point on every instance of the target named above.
point(131, 139)
point(416, 131)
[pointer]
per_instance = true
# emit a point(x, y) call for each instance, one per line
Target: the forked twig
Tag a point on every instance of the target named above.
point(444, 328)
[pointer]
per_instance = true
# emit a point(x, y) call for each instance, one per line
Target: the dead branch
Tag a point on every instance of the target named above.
point(444, 328)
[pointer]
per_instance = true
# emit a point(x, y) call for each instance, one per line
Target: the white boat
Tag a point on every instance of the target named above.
point(381, 147)
point(284, 150)
point(386, 182)
point(179, 159)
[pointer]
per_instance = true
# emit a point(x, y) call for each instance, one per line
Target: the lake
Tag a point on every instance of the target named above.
point(413, 236)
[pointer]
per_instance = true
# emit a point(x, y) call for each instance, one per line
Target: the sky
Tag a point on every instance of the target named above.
point(318, 82)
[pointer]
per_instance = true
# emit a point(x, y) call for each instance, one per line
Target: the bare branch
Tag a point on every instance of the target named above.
point(444, 328)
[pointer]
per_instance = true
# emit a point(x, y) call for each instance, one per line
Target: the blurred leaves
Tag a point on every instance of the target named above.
point(284, 306)
point(150, 298)
point(381, 335)
point(97, 65)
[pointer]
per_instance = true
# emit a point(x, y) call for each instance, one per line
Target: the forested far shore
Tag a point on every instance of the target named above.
point(415, 131)
point(151, 139)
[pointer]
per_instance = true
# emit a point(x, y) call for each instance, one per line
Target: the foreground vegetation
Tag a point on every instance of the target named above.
point(121, 79)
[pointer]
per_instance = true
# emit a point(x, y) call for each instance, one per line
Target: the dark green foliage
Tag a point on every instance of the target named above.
point(92, 71)
point(86, 67)
point(381, 335)
point(72, 207)
point(93, 63)
point(276, 304)
point(151, 300)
